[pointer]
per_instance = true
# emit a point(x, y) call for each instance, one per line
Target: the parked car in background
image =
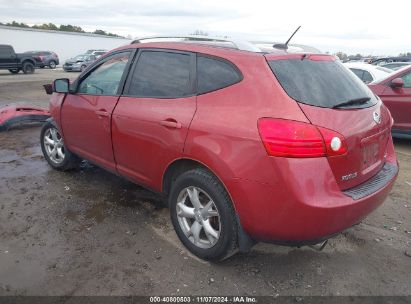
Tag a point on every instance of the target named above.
point(96, 53)
point(385, 60)
point(78, 63)
point(395, 65)
point(287, 167)
point(45, 58)
point(367, 72)
point(395, 92)
point(10, 60)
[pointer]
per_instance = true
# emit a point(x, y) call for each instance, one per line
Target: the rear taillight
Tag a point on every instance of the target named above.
point(334, 142)
point(288, 138)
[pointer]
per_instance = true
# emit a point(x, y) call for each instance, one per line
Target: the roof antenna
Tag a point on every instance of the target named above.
point(284, 46)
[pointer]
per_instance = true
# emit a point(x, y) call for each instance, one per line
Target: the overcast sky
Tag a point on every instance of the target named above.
point(366, 27)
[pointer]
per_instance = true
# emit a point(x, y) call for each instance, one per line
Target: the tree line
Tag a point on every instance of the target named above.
point(345, 57)
point(62, 28)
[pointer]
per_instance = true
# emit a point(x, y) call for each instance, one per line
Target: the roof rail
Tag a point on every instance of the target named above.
point(233, 43)
point(292, 47)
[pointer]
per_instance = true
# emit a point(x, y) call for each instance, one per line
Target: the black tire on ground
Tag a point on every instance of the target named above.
point(69, 161)
point(14, 71)
point(28, 68)
point(52, 64)
point(227, 242)
point(41, 67)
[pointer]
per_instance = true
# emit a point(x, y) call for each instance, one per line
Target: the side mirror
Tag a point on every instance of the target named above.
point(61, 85)
point(397, 83)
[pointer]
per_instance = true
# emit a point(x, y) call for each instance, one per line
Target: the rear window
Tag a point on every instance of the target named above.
point(320, 83)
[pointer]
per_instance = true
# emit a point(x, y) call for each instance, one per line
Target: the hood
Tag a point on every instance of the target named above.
point(72, 60)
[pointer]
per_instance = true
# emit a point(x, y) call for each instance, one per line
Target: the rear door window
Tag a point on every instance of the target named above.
point(162, 74)
point(321, 83)
point(214, 74)
point(367, 78)
point(5, 51)
point(359, 73)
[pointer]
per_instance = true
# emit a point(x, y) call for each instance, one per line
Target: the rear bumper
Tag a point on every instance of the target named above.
point(305, 204)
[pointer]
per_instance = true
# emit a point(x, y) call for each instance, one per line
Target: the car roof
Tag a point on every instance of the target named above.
point(210, 49)
point(365, 66)
point(234, 43)
point(397, 62)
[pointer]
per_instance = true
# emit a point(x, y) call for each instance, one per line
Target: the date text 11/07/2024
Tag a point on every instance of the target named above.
point(203, 299)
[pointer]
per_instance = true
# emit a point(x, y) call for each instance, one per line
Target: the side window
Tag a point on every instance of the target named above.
point(359, 73)
point(367, 78)
point(161, 75)
point(105, 79)
point(407, 80)
point(5, 51)
point(214, 74)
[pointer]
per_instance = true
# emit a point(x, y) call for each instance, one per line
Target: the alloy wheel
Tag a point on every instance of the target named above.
point(54, 145)
point(198, 217)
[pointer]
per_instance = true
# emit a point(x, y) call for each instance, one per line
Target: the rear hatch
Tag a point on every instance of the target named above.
point(332, 97)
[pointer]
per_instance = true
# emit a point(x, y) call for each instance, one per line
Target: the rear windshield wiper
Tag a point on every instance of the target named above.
point(352, 102)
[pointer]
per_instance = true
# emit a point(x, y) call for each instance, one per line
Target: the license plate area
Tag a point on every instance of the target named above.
point(373, 151)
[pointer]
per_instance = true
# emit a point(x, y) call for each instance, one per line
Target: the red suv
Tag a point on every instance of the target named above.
point(395, 92)
point(247, 146)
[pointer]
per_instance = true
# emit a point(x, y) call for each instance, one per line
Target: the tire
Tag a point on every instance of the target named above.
point(50, 140)
point(41, 67)
point(14, 71)
point(217, 243)
point(52, 64)
point(83, 67)
point(28, 68)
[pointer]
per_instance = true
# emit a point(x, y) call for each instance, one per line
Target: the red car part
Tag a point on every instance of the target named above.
point(10, 115)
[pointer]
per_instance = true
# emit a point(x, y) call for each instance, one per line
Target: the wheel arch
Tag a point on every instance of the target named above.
point(181, 165)
point(177, 167)
point(29, 61)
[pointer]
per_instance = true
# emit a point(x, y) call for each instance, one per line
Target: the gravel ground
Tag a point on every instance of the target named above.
point(88, 232)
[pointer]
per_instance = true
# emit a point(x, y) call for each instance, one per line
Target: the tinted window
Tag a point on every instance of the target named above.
point(367, 78)
point(213, 74)
point(359, 73)
point(319, 83)
point(105, 79)
point(6, 51)
point(161, 74)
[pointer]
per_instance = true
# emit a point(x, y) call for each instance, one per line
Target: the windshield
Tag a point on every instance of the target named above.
point(321, 83)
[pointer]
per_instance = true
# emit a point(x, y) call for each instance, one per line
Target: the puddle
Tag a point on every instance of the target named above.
point(96, 213)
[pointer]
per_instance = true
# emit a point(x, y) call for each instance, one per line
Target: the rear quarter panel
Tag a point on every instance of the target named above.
point(224, 135)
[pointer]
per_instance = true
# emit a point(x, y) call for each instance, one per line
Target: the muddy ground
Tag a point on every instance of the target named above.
point(88, 232)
